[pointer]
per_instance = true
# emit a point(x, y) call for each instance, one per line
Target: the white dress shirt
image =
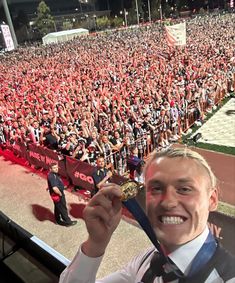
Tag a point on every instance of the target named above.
point(83, 269)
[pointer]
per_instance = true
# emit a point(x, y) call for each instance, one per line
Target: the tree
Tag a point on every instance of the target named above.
point(44, 22)
point(182, 5)
point(155, 9)
point(117, 22)
point(167, 10)
point(102, 22)
point(132, 16)
point(67, 25)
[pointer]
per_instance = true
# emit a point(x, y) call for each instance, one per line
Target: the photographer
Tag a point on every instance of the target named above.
point(181, 191)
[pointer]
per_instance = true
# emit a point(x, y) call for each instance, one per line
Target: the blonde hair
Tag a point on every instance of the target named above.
point(183, 153)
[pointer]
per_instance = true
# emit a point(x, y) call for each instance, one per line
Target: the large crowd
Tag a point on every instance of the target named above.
point(99, 94)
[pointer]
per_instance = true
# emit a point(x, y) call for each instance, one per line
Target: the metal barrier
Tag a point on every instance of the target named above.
point(145, 144)
point(216, 99)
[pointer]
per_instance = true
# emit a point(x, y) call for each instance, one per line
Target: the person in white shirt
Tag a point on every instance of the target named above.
point(181, 191)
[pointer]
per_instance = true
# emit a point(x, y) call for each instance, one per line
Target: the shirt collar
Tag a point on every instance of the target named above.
point(185, 254)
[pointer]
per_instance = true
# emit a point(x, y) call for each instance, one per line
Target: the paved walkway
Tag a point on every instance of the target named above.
point(220, 128)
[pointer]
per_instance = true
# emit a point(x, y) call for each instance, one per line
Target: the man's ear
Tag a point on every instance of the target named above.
point(214, 199)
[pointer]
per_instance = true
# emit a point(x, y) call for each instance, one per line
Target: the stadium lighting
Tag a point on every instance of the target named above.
point(9, 21)
point(137, 12)
point(80, 5)
point(149, 11)
point(125, 15)
point(108, 6)
point(95, 24)
point(160, 9)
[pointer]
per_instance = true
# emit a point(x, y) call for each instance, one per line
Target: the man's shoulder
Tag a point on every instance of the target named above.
point(51, 175)
point(100, 172)
point(95, 171)
point(95, 174)
point(133, 162)
point(133, 159)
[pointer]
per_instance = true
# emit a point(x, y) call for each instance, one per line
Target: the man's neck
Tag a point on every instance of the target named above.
point(171, 248)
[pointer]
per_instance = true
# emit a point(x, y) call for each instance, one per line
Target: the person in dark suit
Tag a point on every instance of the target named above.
point(181, 191)
point(56, 190)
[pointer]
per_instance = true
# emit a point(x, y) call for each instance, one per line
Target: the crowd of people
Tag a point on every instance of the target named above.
point(100, 94)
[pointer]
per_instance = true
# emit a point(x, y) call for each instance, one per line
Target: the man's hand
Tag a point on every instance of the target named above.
point(109, 174)
point(102, 216)
point(57, 191)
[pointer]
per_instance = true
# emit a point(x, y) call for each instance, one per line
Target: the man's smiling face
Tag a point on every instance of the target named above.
point(179, 198)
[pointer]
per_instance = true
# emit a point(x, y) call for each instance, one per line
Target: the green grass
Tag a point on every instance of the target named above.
point(214, 147)
point(219, 148)
point(226, 209)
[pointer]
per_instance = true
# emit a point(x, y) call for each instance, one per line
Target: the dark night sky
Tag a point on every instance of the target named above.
point(30, 6)
point(117, 4)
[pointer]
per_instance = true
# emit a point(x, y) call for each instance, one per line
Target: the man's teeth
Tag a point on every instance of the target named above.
point(171, 220)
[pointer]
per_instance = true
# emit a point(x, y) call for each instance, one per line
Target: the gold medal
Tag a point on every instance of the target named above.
point(130, 189)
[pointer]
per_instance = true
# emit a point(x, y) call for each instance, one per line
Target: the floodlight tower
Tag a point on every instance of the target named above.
point(9, 21)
